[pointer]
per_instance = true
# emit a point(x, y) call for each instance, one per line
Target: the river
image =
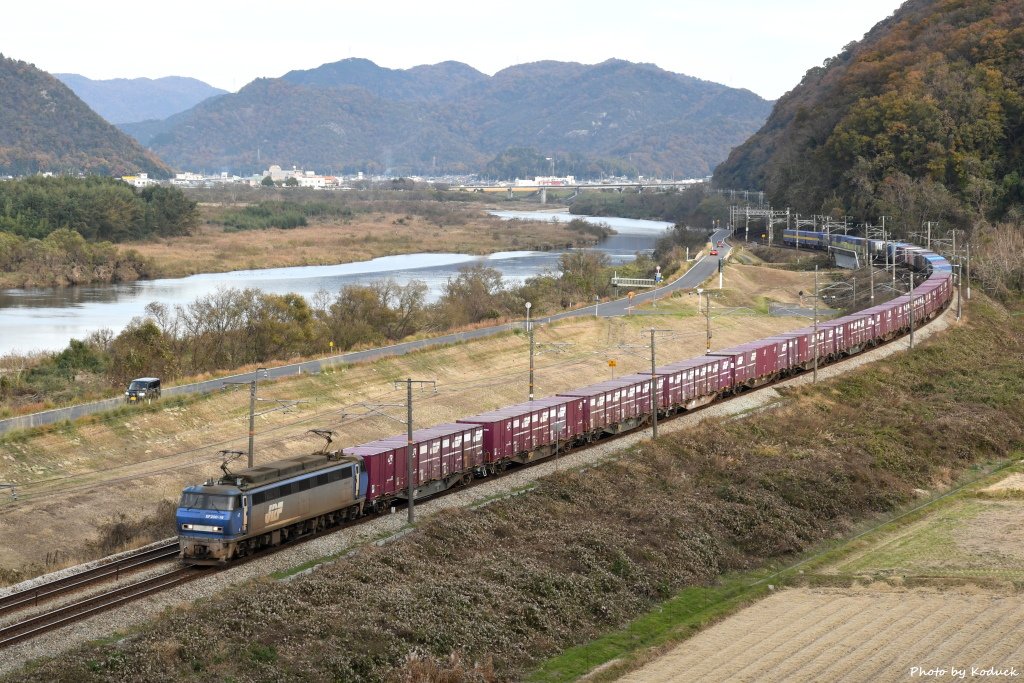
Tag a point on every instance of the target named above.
point(47, 319)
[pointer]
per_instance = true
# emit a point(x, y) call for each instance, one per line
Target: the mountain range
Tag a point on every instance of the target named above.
point(127, 100)
point(923, 119)
point(45, 127)
point(354, 115)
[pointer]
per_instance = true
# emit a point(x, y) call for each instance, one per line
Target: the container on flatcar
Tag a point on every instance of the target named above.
point(386, 475)
point(613, 406)
point(528, 430)
point(858, 330)
point(849, 334)
point(791, 352)
point(642, 397)
point(753, 363)
point(634, 399)
point(881, 321)
point(696, 381)
point(804, 340)
point(439, 456)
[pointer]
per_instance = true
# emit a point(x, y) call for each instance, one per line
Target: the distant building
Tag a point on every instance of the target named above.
point(140, 180)
point(546, 181)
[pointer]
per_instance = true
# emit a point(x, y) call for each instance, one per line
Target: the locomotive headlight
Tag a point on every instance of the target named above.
point(202, 527)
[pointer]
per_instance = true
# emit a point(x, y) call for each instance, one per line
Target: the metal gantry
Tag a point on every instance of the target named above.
point(771, 218)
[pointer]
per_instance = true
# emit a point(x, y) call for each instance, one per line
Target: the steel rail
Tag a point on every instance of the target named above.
point(60, 616)
point(31, 597)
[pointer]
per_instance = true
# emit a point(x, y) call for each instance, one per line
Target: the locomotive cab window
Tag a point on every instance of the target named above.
point(209, 501)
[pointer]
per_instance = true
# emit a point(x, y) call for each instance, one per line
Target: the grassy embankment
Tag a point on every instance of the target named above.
point(586, 552)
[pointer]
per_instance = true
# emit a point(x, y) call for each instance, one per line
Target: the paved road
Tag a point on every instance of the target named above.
point(704, 268)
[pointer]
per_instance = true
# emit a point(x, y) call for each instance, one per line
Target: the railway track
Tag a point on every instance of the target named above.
point(60, 616)
point(55, 618)
point(32, 597)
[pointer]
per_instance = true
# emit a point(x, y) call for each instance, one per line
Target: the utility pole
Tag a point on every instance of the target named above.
point(707, 310)
point(252, 408)
point(409, 447)
point(968, 271)
point(959, 290)
point(815, 376)
point(654, 389)
point(885, 245)
point(894, 269)
point(871, 278)
point(252, 414)
point(529, 331)
point(910, 291)
point(408, 451)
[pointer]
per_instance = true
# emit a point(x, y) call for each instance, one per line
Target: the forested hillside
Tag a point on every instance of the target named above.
point(610, 118)
point(45, 127)
point(921, 120)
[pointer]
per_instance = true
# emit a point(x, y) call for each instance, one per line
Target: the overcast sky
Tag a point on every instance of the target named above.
point(765, 46)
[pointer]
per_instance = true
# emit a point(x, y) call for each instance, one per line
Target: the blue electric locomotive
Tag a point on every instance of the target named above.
point(268, 505)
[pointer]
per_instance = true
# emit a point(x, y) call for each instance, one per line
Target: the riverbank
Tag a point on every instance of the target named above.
point(364, 236)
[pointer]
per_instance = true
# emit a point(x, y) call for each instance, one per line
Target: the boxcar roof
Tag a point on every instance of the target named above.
point(518, 409)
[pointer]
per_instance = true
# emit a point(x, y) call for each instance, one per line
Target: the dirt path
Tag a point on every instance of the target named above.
point(859, 634)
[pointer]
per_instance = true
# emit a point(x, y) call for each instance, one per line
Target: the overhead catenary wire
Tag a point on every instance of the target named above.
point(323, 414)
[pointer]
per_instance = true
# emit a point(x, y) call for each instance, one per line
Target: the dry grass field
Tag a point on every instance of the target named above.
point(941, 593)
point(75, 478)
point(852, 634)
point(365, 236)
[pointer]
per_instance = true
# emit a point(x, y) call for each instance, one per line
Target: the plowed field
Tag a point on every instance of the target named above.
point(866, 634)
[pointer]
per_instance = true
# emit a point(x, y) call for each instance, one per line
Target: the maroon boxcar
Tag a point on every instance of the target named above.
point(615, 405)
point(696, 381)
point(442, 456)
point(858, 330)
point(882, 321)
point(753, 363)
point(529, 430)
point(793, 351)
point(804, 336)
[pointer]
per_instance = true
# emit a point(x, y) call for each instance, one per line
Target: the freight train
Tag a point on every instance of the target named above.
point(276, 502)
